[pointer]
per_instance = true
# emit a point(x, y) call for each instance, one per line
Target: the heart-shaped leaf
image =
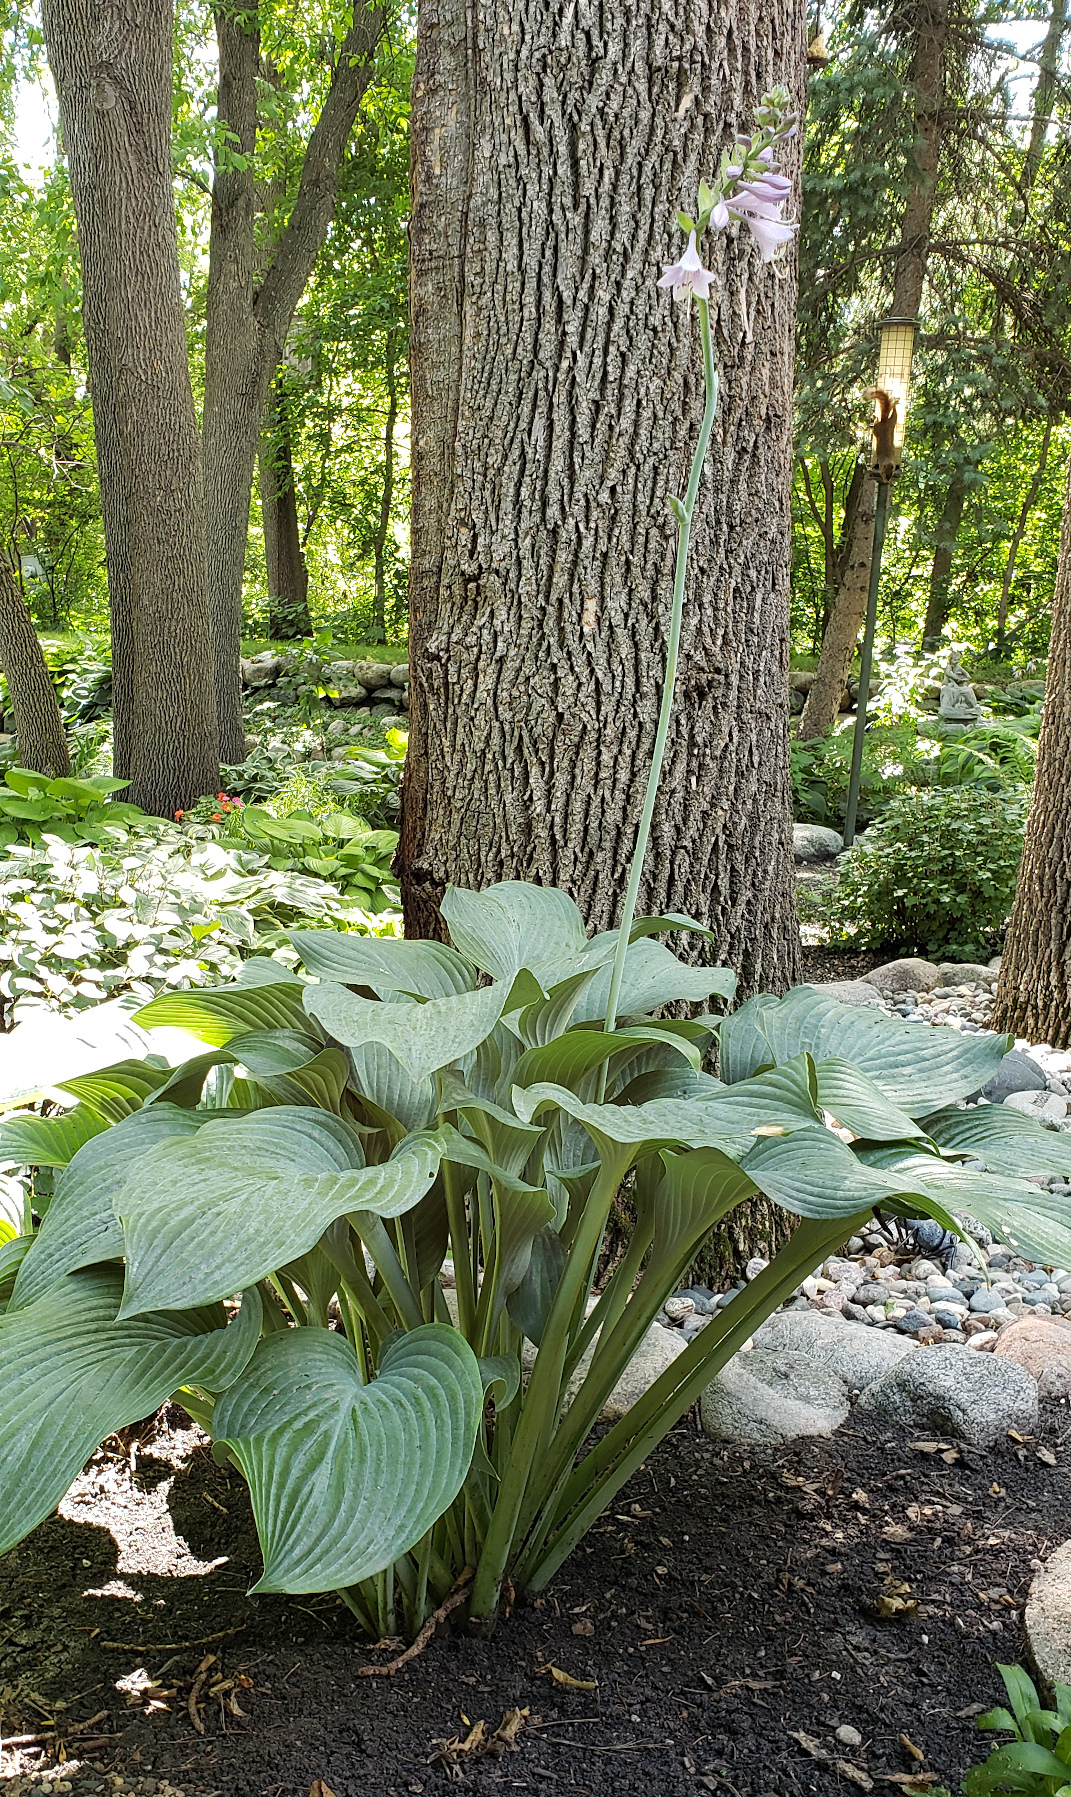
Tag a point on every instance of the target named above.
point(384, 963)
point(1004, 1139)
point(218, 1014)
point(514, 925)
point(70, 1374)
point(782, 1098)
point(421, 1037)
point(344, 1477)
point(34, 1141)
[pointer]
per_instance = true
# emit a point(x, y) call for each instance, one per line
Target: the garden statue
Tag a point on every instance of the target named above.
point(958, 703)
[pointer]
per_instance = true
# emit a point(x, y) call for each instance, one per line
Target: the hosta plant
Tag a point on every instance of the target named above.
point(401, 1162)
point(1038, 1761)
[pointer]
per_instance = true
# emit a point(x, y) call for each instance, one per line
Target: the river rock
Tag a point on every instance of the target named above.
point(849, 992)
point(967, 1397)
point(966, 973)
point(1042, 1345)
point(1048, 1618)
point(1017, 1072)
point(813, 842)
point(769, 1397)
point(399, 674)
point(858, 1356)
point(909, 975)
point(373, 675)
point(1044, 1107)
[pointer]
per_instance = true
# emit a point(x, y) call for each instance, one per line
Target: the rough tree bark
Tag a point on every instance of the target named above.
point(555, 397)
point(1034, 990)
point(112, 69)
point(288, 574)
point(379, 603)
point(927, 80)
point(849, 610)
point(246, 323)
point(38, 725)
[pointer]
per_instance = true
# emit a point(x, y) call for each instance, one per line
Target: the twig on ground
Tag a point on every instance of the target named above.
point(456, 1598)
point(196, 1688)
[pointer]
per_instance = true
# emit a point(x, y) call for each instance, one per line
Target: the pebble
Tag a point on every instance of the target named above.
point(848, 1736)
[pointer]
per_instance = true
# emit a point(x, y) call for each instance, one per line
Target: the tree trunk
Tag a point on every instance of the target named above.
point(41, 741)
point(939, 602)
point(556, 395)
point(845, 623)
point(1044, 94)
point(379, 611)
point(288, 575)
point(1017, 539)
point(246, 326)
point(1034, 991)
point(112, 69)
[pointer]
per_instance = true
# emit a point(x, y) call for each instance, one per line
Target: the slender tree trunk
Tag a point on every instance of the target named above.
point(940, 599)
point(245, 324)
point(845, 623)
point(379, 611)
point(555, 399)
point(1034, 991)
point(1044, 93)
point(112, 69)
point(1017, 538)
point(288, 575)
point(848, 611)
point(38, 725)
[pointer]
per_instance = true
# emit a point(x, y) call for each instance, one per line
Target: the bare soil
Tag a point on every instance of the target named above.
point(734, 1609)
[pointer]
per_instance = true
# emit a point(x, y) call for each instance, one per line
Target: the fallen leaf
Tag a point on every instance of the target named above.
point(1047, 1455)
point(909, 1747)
point(927, 1447)
point(972, 1709)
point(1021, 1439)
point(319, 1789)
point(809, 1744)
point(854, 1773)
point(897, 1531)
point(568, 1681)
point(583, 1628)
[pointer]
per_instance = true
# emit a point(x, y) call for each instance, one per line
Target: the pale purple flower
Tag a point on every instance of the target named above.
point(687, 276)
point(763, 219)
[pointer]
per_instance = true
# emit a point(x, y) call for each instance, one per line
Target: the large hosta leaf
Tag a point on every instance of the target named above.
point(117, 1092)
point(1004, 1139)
point(205, 1216)
point(783, 1098)
point(34, 1141)
point(70, 1373)
point(565, 1060)
point(421, 1037)
point(653, 977)
point(376, 1075)
point(384, 964)
point(915, 1068)
point(514, 925)
point(1034, 1222)
point(859, 1104)
point(218, 1014)
point(812, 1173)
point(80, 1226)
point(344, 1478)
point(46, 1049)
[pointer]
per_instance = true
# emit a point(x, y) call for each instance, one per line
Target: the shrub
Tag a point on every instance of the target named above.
point(347, 1133)
point(935, 874)
point(820, 772)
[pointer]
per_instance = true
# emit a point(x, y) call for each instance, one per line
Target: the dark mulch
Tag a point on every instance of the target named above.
point(728, 1612)
point(823, 964)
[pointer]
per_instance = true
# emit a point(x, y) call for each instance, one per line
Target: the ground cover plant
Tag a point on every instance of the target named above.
point(403, 1114)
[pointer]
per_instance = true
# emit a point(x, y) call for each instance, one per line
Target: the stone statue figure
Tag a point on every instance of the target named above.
point(958, 703)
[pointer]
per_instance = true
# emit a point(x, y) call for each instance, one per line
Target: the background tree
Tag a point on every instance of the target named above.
point(113, 75)
point(1034, 991)
point(555, 394)
point(42, 743)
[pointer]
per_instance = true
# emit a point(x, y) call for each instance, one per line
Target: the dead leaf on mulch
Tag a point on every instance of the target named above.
point(567, 1681)
point(319, 1789)
point(897, 1531)
point(478, 1743)
point(854, 1774)
point(896, 1600)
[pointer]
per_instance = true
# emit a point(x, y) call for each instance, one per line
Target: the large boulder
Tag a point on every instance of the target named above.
point(399, 674)
point(858, 1356)
point(813, 842)
point(372, 674)
point(263, 669)
point(909, 975)
point(1048, 1618)
point(769, 1397)
point(1017, 1072)
point(966, 1397)
point(1042, 1346)
point(964, 973)
point(849, 992)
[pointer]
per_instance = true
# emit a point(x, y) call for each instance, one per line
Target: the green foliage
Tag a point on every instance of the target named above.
point(1038, 1762)
point(935, 873)
point(820, 771)
point(425, 1142)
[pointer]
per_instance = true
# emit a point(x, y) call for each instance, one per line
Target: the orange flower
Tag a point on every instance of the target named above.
point(217, 817)
point(179, 815)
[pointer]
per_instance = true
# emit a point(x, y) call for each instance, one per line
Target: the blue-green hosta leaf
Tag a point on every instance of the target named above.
point(321, 1082)
point(529, 1305)
point(205, 1216)
point(742, 1047)
point(345, 1478)
point(70, 1374)
point(421, 1037)
point(270, 1052)
point(549, 1017)
point(1035, 1223)
point(261, 970)
point(116, 1092)
point(1004, 1139)
point(699, 1187)
point(814, 1174)
point(384, 963)
point(31, 1140)
point(514, 925)
point(783, 1098)
point(217, 1014)
point(653, 977)
point(376, 1075)
point(80, 1227)
point(47, 1048)
point(859, 1104)
point(505, 1143)
point(501, 1376)
point(916, 1069)
point(567, 1059)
